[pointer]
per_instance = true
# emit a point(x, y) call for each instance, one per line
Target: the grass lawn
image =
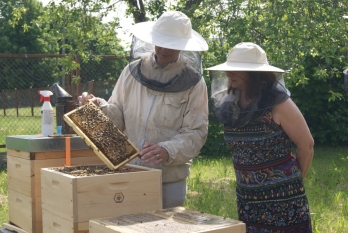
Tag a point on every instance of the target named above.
point(211, 189)
point(22, 123)
point(3, 198)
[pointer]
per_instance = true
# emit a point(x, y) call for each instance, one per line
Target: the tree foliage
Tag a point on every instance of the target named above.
point(306, 38)
point(17, 35)
point(79, 27)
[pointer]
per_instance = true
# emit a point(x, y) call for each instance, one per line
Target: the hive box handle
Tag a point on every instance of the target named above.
point(119, 185)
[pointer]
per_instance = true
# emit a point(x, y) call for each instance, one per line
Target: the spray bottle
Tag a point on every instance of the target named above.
point(46, 113)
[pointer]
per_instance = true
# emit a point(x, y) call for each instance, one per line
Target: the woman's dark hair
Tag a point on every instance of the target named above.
point(257, 80)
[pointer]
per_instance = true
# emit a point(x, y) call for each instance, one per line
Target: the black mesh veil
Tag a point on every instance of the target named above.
point(183, 80)
point(140, 49)
point(225, 105)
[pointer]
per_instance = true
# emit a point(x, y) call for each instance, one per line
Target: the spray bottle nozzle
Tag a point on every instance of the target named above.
point(45, 95)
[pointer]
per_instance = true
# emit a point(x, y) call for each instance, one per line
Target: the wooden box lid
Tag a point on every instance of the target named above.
point(101, 135)
point(170, 220)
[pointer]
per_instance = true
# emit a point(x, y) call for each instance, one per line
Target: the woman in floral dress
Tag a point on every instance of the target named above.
point(261, 125)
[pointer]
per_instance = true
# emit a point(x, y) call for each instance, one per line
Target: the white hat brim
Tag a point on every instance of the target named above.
point(144, 32)
point(241, 66)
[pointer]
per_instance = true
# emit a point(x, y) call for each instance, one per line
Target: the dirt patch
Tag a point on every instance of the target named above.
point(3, 200)
point(93, 170)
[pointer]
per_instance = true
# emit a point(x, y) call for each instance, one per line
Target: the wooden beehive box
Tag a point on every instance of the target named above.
point(24, 176)
point(70, 201)
point(173, 220)
point(102, 135)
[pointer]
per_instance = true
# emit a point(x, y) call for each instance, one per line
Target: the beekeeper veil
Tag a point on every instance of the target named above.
point(251, 58)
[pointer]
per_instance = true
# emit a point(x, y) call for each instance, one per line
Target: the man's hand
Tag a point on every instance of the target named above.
point(85, 97)
point(153, 154)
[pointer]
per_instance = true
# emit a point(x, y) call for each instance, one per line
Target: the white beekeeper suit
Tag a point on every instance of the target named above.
point(164, 105)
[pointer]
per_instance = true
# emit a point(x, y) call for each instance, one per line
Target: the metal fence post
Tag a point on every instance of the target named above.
point(16, 101)
point(3, 101)
point(31, 101)
point(77, 73)
point(91, 87)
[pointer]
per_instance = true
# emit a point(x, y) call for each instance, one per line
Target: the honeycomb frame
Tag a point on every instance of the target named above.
point(101, 135)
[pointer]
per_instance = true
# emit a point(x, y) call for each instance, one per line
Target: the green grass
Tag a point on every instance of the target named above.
point(3, 198)
point(211, 189)
point(23, 124)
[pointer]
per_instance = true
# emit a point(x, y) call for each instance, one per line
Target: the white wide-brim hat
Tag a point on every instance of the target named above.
point(246, 56)
point(173, 30)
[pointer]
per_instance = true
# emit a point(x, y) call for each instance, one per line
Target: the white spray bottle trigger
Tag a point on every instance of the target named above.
point(44, 94)
point(47, 113)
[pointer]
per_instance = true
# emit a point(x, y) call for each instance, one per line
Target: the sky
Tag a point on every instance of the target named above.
point(125, 23)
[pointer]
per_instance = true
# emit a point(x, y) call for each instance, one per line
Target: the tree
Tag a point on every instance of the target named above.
point(80, 32)
point(17, 36)
point(80, 29)
point(307, 38)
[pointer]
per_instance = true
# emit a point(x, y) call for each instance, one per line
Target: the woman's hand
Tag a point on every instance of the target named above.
point(85, 97)
point(153, 154)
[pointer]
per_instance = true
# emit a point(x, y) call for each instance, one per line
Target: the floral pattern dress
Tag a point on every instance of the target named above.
point(271, 196)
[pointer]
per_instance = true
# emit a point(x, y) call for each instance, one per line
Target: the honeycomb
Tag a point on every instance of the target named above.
point(102, 135)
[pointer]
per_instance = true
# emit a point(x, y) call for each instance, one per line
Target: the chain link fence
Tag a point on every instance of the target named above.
point(23, 75)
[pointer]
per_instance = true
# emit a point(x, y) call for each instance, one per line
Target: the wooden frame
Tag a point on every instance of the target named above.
point(80, 120)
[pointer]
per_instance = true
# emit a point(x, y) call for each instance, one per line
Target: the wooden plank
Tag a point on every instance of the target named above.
point(58, 194)
point(118, 194)
point(55, 224)
point(37, 215)
point(96, 227)
point(49, 154)
point(20, 210)
point(82, 227)
point(38, 164)
point(171, 220)
point(77, 120)
point(20, 175)
point(24, 175)
point(12, 227)
point(18, 153)
point(61, 154)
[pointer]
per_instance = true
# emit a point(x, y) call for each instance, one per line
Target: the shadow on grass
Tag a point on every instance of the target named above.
point(3, 161)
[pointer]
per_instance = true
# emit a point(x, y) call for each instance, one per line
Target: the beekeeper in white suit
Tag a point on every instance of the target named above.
point(160, 100)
